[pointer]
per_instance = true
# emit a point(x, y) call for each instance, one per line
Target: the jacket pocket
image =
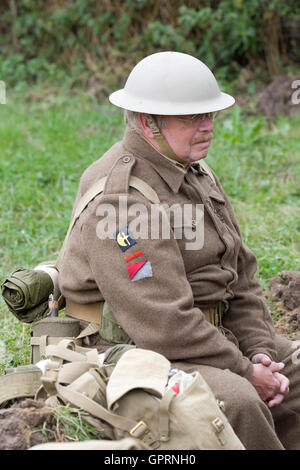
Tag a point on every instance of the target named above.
point(216, 202)
point(216, 196)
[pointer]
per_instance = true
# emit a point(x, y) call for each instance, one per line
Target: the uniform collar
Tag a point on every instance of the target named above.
point(171, 171)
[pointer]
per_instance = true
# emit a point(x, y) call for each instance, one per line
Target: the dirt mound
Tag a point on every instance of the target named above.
point(284, 295)
point(280, 97)
point(25, 424)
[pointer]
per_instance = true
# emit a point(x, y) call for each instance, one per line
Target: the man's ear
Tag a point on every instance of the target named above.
point(145, 127)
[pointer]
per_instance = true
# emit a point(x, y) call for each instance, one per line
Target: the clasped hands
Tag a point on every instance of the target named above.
point(270, 385)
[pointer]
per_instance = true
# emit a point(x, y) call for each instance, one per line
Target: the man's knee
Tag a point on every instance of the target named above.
point(235, 391)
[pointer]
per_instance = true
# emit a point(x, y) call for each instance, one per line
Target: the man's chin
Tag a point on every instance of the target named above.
point(199, 155)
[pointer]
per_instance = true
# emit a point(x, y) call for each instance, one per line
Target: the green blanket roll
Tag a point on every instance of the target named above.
point(26, 294)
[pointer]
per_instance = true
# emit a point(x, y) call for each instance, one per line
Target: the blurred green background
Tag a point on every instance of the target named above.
point(95, 43)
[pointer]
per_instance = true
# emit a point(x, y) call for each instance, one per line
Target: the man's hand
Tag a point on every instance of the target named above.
point(283, 390)
point(265, 383)
point(266, 361)
point(269, 392)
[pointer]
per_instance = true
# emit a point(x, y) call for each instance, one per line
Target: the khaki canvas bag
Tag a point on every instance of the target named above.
point(128, 443)
point(129, 399)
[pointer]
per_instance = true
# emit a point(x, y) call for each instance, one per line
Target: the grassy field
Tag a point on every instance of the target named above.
point(47, 141)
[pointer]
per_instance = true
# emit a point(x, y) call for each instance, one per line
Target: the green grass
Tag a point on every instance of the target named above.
point(258, 163)
point(47, 142)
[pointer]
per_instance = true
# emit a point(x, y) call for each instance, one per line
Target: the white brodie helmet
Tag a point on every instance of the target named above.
point(170, 83)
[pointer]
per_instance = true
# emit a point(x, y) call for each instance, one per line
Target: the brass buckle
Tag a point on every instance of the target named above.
point(140, 433)
point(218, 425)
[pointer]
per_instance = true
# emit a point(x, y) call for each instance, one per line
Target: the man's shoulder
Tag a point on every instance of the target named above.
point(101, 167)
point(119, 168)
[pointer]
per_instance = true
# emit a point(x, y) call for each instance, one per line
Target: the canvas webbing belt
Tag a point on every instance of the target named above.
point(92, 312)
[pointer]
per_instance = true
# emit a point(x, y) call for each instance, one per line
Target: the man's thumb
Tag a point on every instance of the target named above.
point(276, 366)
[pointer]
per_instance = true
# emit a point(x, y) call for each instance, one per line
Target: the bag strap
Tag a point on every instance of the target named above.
point(163, 415)
point(137, 429)
point(76, 354)
point(93, 191)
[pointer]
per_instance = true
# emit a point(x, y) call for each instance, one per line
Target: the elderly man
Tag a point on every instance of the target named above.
point(198, 304)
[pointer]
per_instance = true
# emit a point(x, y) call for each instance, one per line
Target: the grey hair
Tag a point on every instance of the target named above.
point(132, 120)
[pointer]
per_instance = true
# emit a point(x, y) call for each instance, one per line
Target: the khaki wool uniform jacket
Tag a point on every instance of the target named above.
point(161, 310)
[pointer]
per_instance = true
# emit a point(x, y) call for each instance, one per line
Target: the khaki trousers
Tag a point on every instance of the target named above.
point(257, 426)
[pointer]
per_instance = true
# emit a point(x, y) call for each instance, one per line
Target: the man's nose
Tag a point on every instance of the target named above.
point(206, 125)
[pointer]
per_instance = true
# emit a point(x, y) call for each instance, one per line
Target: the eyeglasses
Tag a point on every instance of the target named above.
point(195, 119)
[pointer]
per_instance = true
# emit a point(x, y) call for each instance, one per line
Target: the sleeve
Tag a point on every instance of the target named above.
point(248, 316)
point(144, 283)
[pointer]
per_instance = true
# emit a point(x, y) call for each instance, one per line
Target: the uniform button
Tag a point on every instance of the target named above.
point(194, 223)
point(126, 159)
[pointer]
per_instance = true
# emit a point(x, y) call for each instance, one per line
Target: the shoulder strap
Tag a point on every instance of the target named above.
point(96, 189)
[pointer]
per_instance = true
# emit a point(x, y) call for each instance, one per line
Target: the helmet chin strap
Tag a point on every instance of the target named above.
point(161, 140)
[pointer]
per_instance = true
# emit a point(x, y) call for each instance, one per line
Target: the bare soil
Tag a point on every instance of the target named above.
point(284, 295)
point(276, 98)
point(25, 424)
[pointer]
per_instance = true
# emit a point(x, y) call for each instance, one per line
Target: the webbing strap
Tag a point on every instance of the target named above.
point(95, 409)
point(164, 417)
point(98, 188)
point(91, 329)
point(62, 351)
point(72, 370)
point(165, 148)
point(137, 429)
point(144, 188)
point(91, 313)
point(46, 340)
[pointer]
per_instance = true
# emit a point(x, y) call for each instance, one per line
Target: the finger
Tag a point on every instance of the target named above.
point(276, 366)
point(276, 400)
point(259, 358)
point(271, 392)
point(284, 388)
point(284, 383)
point(266, 361)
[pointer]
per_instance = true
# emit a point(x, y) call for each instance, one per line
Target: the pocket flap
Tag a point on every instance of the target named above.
point(213, 194)
point(138, 368)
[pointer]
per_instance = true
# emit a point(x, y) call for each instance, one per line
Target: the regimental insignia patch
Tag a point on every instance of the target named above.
point(125, 239)
point(138, 271)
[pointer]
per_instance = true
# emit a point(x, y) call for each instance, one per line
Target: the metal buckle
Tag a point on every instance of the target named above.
point(140, 433)
point(218, 425)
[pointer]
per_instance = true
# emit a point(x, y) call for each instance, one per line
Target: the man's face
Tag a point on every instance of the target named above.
point(189, 136)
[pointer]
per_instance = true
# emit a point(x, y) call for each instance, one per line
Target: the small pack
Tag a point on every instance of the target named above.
point(137, 397)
